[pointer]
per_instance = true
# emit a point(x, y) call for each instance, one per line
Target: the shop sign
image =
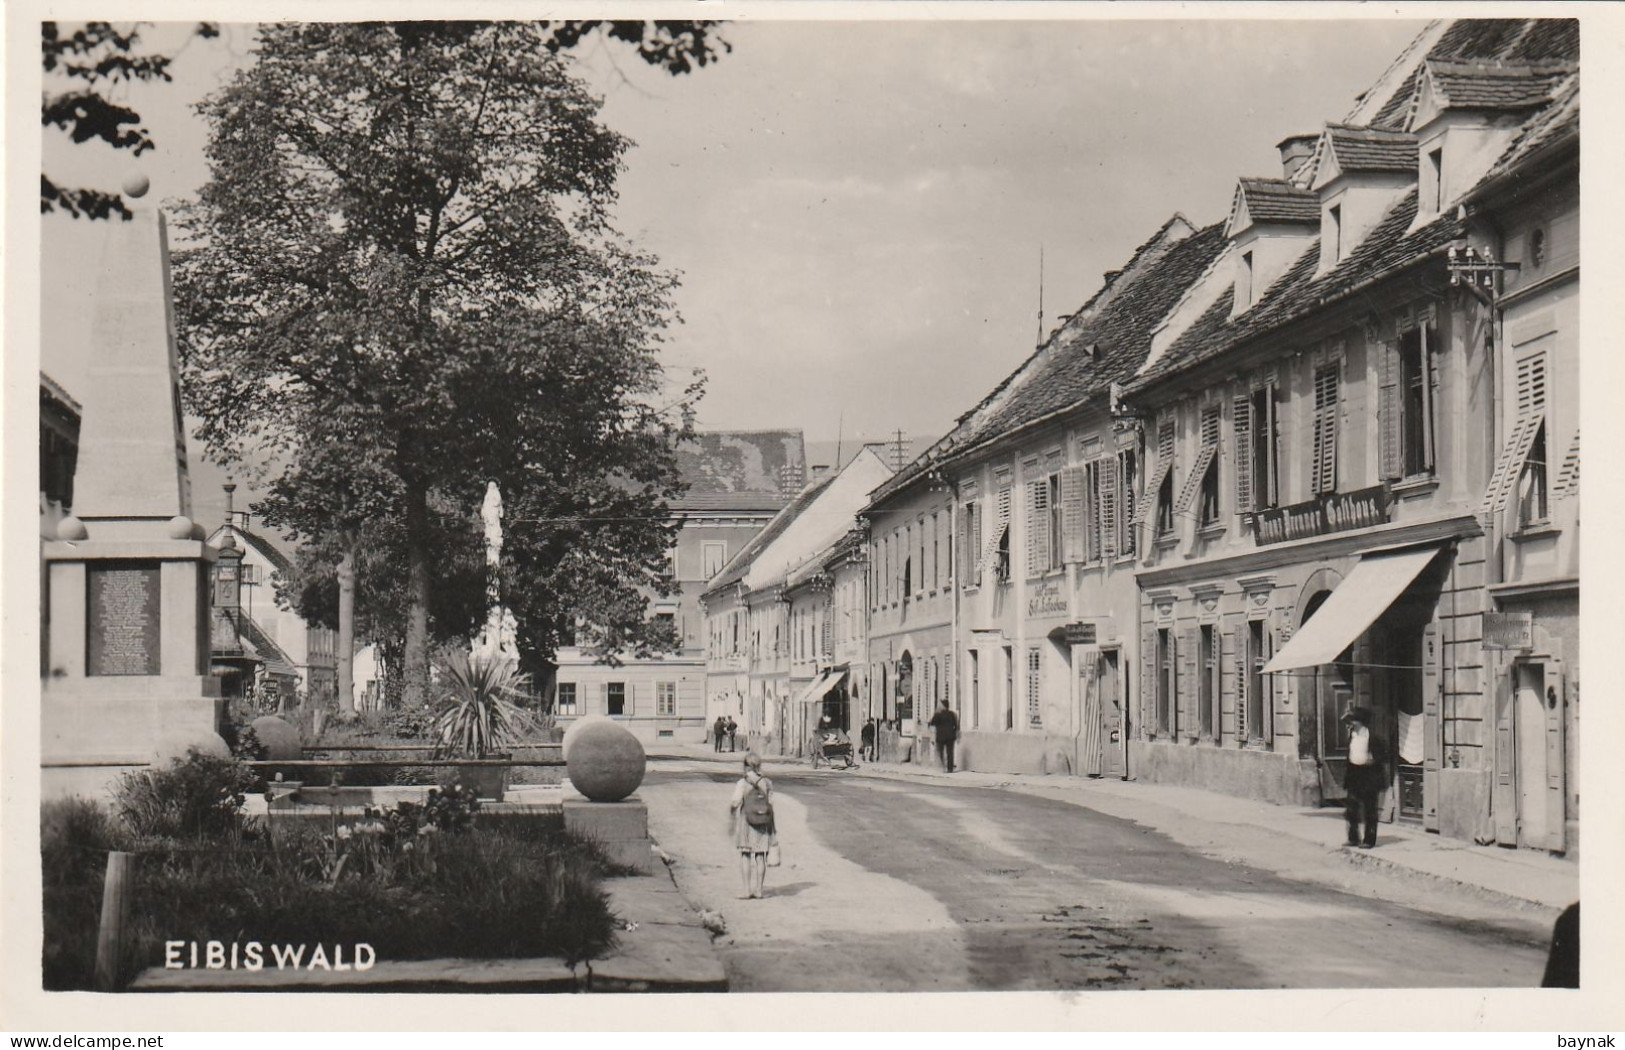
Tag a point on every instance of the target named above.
point(1046, 600)
point(1081, 634)
point(1334, 512)
point(1509, 630)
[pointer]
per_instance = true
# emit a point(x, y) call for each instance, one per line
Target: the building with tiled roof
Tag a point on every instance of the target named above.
point(755, 666)
point(736, 482)
point(1332, 514)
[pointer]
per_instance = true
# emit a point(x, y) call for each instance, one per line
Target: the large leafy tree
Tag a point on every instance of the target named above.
point(404, 258)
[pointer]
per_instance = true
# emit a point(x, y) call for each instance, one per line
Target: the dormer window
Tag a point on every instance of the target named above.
point(1244, 281)
point(1333, 231)
point(1436, 175)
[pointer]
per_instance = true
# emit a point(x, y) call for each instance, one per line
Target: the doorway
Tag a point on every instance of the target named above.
point(1112, 730)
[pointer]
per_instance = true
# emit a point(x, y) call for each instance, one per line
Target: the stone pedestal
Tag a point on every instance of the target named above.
point(126, 602)
point(621, 828)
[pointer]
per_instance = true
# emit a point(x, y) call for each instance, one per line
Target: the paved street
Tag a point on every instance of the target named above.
point(892, 885)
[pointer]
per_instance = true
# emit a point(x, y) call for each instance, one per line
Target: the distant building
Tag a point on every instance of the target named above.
point(736, 484)
point(59, 416)
point(753, 671)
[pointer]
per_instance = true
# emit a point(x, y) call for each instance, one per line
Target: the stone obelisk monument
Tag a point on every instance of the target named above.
point(127, 680)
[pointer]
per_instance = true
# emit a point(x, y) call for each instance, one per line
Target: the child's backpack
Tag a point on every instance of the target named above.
point(758, 809)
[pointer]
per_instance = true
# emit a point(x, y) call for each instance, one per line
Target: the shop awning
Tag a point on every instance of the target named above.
point(820, 685)
point(1355, 605)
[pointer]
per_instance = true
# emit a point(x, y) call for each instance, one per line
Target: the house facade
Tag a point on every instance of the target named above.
point(755, 605)
point(1331, 423)
point(911, 608)
point(737, 481)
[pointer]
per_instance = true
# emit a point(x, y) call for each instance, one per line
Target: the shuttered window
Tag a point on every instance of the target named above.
point(1159, 474)
point(1074, 514)
point(1323, 466)
point(1126, 503)
point(1043, 525)
point(1531, 419)
point(1568, 475)
point(1407, 389)
point(1206, 451)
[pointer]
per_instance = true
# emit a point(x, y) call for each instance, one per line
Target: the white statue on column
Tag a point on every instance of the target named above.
point(499, 639)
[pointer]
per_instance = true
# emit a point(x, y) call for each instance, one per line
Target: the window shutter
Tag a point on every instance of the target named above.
point(1038, 554)
point(1127, 510)
point(1154, 477)
point(962, 540)
point(1240, 651)
point(1148, 677)
point(1241, 427)
point(1430, 395)
point(1188, 692)
point(1270, 485)
point(1389, 411)
point(1204, 457)
point(1323, 472)
point(1072, 514)
point(1568, 475)
point(1531, 407)
point(1106, 506)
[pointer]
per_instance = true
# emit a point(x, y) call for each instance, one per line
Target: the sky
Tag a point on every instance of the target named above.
point(857, 208)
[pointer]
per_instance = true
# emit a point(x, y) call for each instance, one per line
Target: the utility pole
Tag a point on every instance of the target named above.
point(1040, 295)
point(897, 452)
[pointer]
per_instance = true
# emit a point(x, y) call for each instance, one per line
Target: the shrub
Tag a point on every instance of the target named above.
point(198, 796)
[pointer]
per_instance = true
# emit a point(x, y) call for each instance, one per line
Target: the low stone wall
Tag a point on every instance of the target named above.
point(1244, 772)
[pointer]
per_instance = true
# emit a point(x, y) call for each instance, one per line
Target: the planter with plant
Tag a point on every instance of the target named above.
point(477, 717)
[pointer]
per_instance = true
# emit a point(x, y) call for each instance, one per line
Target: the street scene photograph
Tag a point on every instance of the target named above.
point(780, 504)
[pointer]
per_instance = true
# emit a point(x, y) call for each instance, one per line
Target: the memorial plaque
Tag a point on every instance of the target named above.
point(123, 635)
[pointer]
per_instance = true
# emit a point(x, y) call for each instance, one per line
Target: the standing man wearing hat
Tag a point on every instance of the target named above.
point(1363, 780)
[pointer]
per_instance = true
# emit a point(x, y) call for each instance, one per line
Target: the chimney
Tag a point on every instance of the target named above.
point(819, 471)
point(1295, 150)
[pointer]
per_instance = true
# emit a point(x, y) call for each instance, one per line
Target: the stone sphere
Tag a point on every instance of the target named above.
point(173, 746)
point(136, 185)
point(572, 733)
point(280, 740)
point(180, 527)
point(71, 528)
point(606, 762)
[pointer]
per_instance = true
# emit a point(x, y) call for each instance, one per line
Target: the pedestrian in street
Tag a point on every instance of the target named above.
point(733, 733)
point(755, 830)
point(867, 738)
point(1363, 781)
point(721, 731)
point(945, 726)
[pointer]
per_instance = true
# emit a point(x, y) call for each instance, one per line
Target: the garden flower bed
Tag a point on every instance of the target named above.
point(426, 881)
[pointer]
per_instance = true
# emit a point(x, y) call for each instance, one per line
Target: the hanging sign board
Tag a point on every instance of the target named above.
point(1509, 630)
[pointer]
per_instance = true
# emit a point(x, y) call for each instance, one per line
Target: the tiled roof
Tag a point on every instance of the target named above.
point(740, 563)
point(725, 501)
point(1103, 343)
point(57, 392)
point(1386, 250)
point(1372, 149)
point(1277, 200)
point(1560, 118)
point(1509, 39)
point(1495, 85)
